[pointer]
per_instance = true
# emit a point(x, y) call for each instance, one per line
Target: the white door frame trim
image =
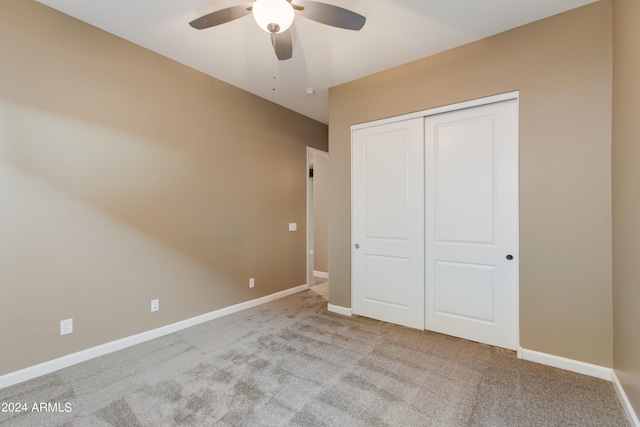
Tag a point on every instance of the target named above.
point(443, 109)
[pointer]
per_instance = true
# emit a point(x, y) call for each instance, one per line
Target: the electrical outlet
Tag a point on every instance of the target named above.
point(66, 326)
point(293, 226)
point(252, 282)
point(155, 305)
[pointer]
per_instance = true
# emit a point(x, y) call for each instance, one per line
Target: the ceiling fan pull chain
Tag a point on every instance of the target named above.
point(274, 74)
point(275, 60)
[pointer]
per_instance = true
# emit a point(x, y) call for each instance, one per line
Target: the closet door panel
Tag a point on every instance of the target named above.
point(388, 222)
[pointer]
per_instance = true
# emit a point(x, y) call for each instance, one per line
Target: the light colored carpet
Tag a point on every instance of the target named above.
point(291, 363)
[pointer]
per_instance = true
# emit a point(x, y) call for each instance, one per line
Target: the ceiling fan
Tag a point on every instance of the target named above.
point(276, 16)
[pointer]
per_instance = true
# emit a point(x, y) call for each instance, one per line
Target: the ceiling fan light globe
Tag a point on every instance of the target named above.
point(279, 12)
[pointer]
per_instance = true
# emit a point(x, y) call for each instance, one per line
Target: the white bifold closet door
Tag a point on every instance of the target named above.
point(388, 222)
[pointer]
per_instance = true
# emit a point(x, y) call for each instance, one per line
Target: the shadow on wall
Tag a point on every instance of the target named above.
point(184, 198)
point(98, 221)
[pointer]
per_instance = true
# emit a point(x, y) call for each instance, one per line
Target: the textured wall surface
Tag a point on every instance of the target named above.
point(126, 177)
point(562, 67)
point(626, 196)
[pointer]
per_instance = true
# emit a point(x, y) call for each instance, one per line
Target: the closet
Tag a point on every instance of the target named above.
point(435, 220)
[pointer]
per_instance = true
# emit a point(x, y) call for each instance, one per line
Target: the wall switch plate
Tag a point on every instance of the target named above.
point(252, 282)
point(155, 305)
point(293, 226)
point(66, 326)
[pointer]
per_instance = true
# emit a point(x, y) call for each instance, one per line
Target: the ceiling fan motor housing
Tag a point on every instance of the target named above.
point(273, 16)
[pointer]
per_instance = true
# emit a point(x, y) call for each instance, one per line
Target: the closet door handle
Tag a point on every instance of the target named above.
point(509, 257)
point(357, 246)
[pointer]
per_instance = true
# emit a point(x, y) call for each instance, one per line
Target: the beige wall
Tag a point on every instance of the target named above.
point(124, 177)
point(626, 199)
point(321, 213)
point(562, 68)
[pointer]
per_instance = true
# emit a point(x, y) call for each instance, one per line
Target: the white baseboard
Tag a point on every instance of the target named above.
point(110, 347)
point(596, 371)
point(631, 415)
point(340, 310)
point(321, 274)
point(567, 364)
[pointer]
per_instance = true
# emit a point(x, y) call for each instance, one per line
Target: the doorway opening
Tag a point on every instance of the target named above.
point(317, 216)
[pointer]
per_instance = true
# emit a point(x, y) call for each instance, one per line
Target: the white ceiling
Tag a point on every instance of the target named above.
point(240, 53)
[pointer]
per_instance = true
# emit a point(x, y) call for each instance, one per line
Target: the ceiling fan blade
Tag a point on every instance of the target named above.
point(282, 45)
point(219, 17)
point(330, 15)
